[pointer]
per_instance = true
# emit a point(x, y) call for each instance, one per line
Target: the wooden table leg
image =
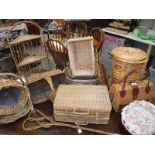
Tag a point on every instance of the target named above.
point(149, 50)
point(148, 53)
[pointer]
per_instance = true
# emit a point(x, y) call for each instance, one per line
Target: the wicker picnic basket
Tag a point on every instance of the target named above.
point(14, 98)
point(44, 88)
point(126, 59)
point(82, 104)
point(81, 56)
point(124, 93)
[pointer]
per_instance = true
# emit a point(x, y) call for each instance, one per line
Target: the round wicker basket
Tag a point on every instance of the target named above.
point(126, 59)
point(14, 98)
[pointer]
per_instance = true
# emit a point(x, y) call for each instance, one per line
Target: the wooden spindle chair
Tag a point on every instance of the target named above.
point(59, 53)
point(99, 36)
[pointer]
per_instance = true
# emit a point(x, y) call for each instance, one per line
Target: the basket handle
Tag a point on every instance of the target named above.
point(135, 88)
point(9, 74)
point(80, 113)
point(22, 79)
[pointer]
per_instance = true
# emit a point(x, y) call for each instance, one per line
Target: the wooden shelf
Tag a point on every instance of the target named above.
point(24, 38)
point(42, 75)
point(119, 26)
point(31, 59)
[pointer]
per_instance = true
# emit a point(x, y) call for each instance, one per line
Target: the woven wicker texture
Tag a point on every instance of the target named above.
point(42, 86)
point(13, 117)
point(82, 104)
point(13, 95)
point(81, 56)
point(130, 54)
point(126, 59)
point(15, 99)
point(84, 80)
point(29, 51)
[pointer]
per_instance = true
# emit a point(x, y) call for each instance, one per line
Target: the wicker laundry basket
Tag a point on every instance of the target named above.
point(126, 59)
point(82, 104)
point(14, 98)
point(84, 80)
point(81, 56)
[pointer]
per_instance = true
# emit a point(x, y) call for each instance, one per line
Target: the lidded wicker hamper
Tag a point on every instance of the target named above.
point(82, 104)
point(126, 59)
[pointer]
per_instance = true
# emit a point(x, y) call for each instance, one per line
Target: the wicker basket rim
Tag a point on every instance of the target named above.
point(80, 39)
point(25, 95)
point(129, 54)
point(83, 52)
point(131, 61)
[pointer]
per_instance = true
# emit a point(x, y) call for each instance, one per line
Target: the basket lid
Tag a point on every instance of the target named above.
point(88, 98)
point(129, 54)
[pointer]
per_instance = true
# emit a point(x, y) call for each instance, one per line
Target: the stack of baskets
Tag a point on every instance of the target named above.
point(126, 59)
point(83, 103)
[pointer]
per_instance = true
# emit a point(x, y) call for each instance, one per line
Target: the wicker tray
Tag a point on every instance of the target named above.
point(81, 56)
point(82, 104)
point(84, 80)
point(126, 59)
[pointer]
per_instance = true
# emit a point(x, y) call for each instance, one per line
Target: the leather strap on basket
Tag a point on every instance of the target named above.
point(135, 88)
point(148, 87)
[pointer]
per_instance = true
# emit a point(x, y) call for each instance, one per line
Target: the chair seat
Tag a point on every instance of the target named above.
point(31, 59)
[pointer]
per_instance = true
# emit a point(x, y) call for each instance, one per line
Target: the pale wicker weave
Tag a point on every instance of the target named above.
point(31, 59)
point(29, 51)
point(81, 56)
point(82, 104)
point(126, 59)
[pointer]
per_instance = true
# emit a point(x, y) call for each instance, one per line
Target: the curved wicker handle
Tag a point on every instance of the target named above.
point(123, 91)
point(80, 113)
point(10, 74)
point(22, 79)
point(21, 22)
